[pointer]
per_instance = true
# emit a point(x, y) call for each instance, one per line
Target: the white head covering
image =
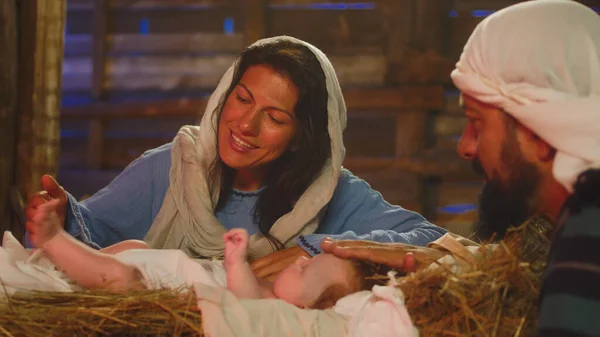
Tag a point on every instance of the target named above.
point(186, 219)
point(540, 62)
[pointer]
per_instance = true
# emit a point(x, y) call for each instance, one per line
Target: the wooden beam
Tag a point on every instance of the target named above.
point(256, 21)
point(99, 47)
point(81, 45)
point(95, 144)
point(411, 133)
point(145, 4)
point(169, 73)
point(8, 113)
point(393, 100)
point(300, 2)
point(41, 49)
point(398, 18)
point(399, 98)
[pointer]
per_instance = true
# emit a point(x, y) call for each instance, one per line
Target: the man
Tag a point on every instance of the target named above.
point(529, 77)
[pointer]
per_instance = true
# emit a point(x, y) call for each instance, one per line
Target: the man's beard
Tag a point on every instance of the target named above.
point(508, 203)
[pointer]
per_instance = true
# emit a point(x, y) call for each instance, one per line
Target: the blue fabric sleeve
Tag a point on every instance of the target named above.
point(357, 212)
point(125, 208)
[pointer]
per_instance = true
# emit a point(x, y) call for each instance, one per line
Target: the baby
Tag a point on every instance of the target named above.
point(308, 283)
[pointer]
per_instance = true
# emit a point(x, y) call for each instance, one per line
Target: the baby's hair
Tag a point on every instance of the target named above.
point(363, 277)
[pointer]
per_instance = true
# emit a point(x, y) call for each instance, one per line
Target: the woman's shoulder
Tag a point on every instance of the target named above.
point(349, 180)
point(157, 152)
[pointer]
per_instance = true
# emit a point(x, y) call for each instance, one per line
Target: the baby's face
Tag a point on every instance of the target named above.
point(306, 279)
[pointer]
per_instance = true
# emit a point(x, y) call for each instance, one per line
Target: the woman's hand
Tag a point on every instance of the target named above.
point(236, 246)
point(52, 191)
point(268, 267)
point(394, 255)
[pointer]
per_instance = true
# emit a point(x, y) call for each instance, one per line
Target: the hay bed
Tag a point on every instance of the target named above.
point(498, 297)
point(142, 313)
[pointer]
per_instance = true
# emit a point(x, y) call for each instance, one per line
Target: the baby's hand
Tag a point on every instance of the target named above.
point(44, 224)
point(236, 246)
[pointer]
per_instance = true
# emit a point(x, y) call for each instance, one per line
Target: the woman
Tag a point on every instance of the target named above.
point(266, 157)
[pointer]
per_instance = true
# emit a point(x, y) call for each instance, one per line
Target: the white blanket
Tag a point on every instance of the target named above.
point(20, 270)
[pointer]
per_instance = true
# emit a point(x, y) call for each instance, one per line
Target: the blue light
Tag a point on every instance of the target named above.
point(481, 13)
point(228, 26)
point(458, 208)
point(476, 13)
point(337, 6)
point(144, 26)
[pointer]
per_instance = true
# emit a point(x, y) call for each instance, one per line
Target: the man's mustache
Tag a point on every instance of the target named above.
point(477, 167)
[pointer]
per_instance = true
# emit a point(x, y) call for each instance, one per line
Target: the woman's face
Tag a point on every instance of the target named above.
point(258, 123)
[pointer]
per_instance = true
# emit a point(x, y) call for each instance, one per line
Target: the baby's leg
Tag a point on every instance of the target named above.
point(124, 245)
point(83, 264)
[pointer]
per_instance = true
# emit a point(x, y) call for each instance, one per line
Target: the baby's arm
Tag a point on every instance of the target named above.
point(84, 265)
point(240, 278)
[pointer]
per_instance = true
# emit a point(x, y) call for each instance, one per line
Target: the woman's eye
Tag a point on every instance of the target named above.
point(242, 99)
point(275, 120)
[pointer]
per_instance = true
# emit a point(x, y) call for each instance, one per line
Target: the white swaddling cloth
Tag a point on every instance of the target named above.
point(159, 268)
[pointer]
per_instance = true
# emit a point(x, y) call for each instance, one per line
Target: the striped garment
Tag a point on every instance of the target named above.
point(570, 298)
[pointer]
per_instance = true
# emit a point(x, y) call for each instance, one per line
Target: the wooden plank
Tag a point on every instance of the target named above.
point(462, 27)
point(145, 4)
point(411, 133)
point(470, 5)
point(370, 135)
point(400, 98)
point(98, 48)
point(357, 101)
point(335, 32)
point(255, 26)
point(398, 16)
point(78, 45)
point(167, 20)
point(43, 23)
point(95, 144)
point(189, 72)
point(449, 125)
point(302, 2)
point(8, 112)
point(431, 25)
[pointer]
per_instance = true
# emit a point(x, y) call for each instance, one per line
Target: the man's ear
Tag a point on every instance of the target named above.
point(543, 151)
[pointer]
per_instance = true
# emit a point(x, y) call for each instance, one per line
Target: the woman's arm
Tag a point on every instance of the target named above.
point(357, 212)
point(126, 207)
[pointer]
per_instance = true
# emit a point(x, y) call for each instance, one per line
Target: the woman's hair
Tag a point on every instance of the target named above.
point(290, 175)
point(363, 276)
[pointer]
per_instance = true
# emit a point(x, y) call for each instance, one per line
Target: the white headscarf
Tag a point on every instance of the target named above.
point(186, 219)
point(540, 62)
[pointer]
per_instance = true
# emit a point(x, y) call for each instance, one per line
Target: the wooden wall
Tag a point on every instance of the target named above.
point(136, 70)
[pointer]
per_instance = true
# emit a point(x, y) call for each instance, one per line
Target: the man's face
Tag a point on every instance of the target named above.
point(490, 140)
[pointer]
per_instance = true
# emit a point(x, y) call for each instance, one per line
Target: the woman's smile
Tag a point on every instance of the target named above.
point(239, 144)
